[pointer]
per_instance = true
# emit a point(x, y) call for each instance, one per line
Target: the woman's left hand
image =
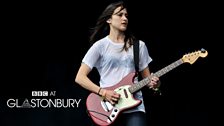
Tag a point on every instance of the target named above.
point(154, 83)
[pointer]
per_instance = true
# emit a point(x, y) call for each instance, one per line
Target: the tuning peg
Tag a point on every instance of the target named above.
point(203, 50)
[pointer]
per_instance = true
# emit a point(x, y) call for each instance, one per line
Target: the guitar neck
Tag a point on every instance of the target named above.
point(159, 73)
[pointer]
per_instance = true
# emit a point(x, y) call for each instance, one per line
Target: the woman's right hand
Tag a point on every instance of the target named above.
point(110, 96)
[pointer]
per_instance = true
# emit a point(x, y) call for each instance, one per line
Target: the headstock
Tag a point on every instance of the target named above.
point(192, 57)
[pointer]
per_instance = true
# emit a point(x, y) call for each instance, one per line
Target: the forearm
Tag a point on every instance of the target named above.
point(145, 73)
point(86, 83)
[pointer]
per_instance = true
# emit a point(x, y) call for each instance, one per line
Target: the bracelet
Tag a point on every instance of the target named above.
point(104, 93)
point(99, 91)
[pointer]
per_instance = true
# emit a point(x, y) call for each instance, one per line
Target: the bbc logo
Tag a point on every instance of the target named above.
point(39, 93)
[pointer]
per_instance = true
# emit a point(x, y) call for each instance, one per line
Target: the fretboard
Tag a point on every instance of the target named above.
point(145, 81)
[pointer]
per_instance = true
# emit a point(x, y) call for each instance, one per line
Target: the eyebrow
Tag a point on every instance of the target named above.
point(120, 13)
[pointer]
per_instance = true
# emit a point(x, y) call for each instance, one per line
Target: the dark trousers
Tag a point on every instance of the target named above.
point(131, 119)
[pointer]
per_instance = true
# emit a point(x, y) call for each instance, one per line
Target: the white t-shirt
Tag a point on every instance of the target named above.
point(113, 64)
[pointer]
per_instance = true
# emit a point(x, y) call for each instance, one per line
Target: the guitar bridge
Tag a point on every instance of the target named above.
point(106, 105)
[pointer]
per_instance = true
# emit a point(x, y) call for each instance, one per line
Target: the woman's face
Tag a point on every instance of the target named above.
point(119, 19)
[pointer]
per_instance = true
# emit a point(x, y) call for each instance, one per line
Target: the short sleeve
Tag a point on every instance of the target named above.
point(92, 55)
point(144, 58)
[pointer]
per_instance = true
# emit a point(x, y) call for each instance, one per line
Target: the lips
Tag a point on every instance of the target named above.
point(124, 24)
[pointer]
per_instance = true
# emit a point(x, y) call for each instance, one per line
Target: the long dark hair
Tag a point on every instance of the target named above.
point(102, 28)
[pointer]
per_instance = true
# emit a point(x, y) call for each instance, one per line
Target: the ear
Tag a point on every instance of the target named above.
point(109, 21)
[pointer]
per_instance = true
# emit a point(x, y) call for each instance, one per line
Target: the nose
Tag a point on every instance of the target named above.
point(124, 17)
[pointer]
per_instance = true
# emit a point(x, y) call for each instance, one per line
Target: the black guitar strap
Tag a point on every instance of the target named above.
point(136, 58)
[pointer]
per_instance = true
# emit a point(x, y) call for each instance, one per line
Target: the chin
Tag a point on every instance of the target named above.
point(123, 29)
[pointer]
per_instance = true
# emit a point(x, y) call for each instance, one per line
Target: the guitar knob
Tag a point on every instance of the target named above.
point(115, 110)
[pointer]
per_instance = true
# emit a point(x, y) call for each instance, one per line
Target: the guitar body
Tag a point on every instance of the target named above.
point(102, 112)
